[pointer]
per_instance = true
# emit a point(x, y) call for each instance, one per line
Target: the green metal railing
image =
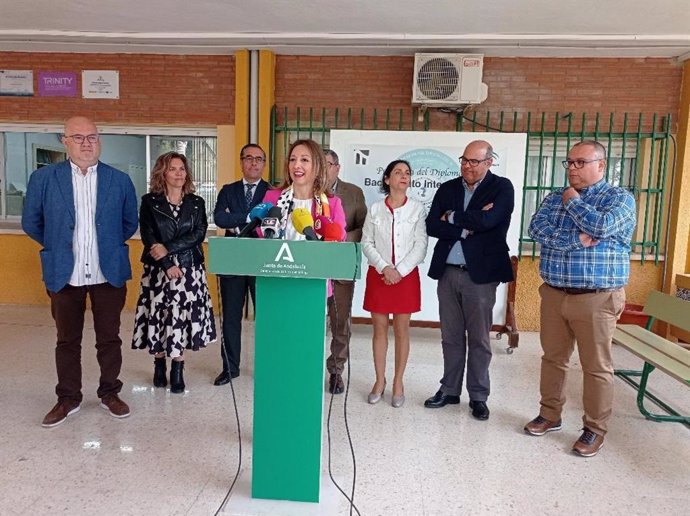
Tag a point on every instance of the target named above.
point(638, 146)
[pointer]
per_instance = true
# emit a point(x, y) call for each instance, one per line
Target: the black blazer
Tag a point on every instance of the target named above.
point(231, 209)
point(486, 250)
point(182, 237)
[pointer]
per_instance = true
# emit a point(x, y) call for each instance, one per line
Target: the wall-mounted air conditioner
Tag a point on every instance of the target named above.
point(448, 80)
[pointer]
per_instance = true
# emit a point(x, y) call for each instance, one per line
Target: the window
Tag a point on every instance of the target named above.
point(638, 165)
point(133, 150)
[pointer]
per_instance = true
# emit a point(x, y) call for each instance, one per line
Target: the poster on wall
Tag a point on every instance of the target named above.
point(17, 83)
point(100, 84)
point(57, 84)
point(434, 159)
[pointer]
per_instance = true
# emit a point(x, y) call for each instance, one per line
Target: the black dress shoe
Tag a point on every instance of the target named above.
point(479, 410)
point(224, 378)
point(335, 384)
point(439, 400)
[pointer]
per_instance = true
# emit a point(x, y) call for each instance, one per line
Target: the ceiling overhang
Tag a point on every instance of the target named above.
point(675, 46)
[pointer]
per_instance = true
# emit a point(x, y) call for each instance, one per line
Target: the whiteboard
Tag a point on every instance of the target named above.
point(364, 156)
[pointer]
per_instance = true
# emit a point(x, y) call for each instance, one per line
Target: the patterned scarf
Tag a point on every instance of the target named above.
point(285, 205)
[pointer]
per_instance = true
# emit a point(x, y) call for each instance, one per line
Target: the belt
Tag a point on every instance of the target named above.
point(462, 267)
point(578, 291)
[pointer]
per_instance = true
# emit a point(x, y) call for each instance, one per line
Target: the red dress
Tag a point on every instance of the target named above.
point(402, 298)
point(405, 297)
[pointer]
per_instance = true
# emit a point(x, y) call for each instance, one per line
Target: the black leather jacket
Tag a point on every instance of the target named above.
point(182, 237)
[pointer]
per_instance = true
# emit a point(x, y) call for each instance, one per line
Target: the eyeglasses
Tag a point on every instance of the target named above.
point(577, 163)
point(79, 138)
point(331, 164)
point(253, 159)
point(471, 162)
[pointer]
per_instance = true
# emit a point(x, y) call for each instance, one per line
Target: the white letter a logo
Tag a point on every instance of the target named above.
point(284, 253)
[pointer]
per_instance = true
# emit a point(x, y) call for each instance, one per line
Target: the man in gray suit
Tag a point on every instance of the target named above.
point(340, 303)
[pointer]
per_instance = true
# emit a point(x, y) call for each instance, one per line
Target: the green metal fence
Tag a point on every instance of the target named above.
point(639, 153)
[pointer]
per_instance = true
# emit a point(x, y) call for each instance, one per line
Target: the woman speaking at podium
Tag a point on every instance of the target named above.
point(304, 190)
point(394, 241)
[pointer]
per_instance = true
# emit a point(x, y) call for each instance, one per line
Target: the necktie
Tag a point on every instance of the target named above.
point(249, 195)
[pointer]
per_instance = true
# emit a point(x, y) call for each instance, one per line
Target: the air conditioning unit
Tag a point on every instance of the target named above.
point(448, 80)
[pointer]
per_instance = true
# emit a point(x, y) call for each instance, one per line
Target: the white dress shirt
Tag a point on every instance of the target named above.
point(87, 269)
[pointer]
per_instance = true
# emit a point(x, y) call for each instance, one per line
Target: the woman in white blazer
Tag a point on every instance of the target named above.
point(394, 241)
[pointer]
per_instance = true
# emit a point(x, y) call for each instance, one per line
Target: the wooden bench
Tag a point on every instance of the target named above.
point(657, 352)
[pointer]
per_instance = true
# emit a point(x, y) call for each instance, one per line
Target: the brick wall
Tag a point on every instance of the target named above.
point(199, 90)
point(181, 90)
point(515, 85)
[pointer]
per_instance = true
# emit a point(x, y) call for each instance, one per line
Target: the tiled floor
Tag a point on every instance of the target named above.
point(177, 454)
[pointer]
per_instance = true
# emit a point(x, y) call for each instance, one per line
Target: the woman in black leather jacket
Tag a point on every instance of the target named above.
point(174, 310)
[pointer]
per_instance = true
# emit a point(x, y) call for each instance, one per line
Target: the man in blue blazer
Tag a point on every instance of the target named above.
point(235, 201)
point(470, 216)
point(82, 212)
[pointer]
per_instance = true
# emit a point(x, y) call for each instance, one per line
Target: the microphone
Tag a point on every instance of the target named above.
point(304, 223)
point(256, 215)
point(270, 226)
point(328, 230)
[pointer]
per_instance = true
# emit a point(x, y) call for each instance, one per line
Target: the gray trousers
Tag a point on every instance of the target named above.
point(465, 309)
point(340, 315)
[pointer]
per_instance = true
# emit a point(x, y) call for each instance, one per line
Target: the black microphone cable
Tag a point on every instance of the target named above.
point(350, 498)
point(234, 400)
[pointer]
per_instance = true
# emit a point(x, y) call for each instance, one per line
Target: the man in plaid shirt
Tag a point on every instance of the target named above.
point(584, 231)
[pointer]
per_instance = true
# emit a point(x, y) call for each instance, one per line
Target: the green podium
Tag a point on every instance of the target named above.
point(289, 353)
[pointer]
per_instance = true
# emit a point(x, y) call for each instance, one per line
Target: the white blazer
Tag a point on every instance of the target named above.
point(409, 224)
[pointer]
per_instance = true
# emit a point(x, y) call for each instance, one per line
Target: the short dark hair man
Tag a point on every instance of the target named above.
point(340, 303)
point(235, 201)
point(82, 212)
point(470, 217)
point(584, 231)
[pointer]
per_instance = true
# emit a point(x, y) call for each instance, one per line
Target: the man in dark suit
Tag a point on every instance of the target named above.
point(82, 212)
point(340, 303)
point(235, 201)
point(470, 216)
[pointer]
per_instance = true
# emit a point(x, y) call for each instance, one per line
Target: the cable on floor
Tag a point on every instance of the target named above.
point(234, 402)
point(350, 498)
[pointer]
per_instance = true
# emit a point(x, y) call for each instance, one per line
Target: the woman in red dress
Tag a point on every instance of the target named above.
point(394, 241)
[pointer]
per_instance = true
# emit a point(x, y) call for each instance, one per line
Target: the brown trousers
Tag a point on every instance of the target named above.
point(68, 307)
point(340, 316)
point(590, 320)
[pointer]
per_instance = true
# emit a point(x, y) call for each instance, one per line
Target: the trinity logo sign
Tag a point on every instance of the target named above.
point(284, 253)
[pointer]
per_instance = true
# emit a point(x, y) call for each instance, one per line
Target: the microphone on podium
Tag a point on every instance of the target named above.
point(328, 230)
point(255, 216)
point(270, 225)
point(304, 223)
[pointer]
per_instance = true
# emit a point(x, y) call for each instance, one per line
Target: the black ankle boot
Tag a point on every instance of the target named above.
point(176, 376)
point(159, 378)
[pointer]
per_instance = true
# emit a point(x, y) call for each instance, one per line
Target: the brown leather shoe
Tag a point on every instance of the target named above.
point(113, 404)
point(335, 384)
point(589, 443)
point(60, 412)
point(539, 426)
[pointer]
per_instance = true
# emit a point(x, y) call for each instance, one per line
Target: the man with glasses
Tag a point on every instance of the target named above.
point(82, 212)
point(470, 216)
point(340, 303)
point(584, 231)
point(235, 201)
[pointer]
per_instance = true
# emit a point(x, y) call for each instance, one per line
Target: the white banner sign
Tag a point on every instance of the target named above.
point(100, 84)
point(364, 156)
point(17, 83)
